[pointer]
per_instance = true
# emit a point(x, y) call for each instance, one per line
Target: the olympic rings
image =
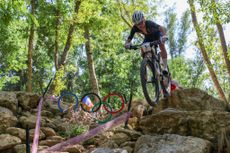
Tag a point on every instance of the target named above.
point(113, 103)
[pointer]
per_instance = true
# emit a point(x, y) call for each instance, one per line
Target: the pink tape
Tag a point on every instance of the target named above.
point(89, 134)
point(37, 128)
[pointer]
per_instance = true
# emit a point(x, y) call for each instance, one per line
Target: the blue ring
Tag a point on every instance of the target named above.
point(59, 101)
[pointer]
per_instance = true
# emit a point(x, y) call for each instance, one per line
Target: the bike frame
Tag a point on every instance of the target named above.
point(151, 54)
point(154, 58)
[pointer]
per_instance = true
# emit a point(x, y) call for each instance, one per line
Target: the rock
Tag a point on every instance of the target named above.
point(171, 143)
point(134, 135)
point(138, 108)
point(120, 138)
point(75, 149)
point(42, 136)
point(54, 109)
point(21, 148)
point(128, 143)
point(18, 132)
point(109, 144)
point(6, 111)
point(9, 100)
point(107, 150)
point(58, 138)
point(191, 99)
point(40, 147)
point(8, 141)
point(30, 120)
point(27, 100)
point(50, 141)
point(48, 131)
point(133, 123)
point(7, 120)
point(47, 113)
point(202, 124)
point(128, 149)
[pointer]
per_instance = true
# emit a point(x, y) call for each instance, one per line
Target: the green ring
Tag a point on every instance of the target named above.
point(108, 118)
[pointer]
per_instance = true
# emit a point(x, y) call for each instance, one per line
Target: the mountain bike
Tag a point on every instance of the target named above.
point(154, 83)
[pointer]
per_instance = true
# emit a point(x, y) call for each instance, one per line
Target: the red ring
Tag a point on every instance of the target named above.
point(122, 103)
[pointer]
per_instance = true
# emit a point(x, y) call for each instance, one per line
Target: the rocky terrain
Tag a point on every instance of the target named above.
point(189, 121)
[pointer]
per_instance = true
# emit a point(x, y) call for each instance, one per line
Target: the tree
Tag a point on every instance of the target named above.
point(170, 21)
point(221, 34)
point(203, 51)
point(70, 34)
point(177, 32)
point(57, 31)
point(183, 32)
point(30, 48)
point(91, 69)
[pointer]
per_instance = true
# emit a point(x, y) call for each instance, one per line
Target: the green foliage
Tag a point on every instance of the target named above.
point(117, 69)
point(12, 44)
point(59, 81)
point(73, 130)
point(189, 73)
point(177, 31)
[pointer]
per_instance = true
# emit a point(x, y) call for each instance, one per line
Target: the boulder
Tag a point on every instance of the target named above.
point(27, 100)
point(191, 99)
point(30, 120)
point(133, 123)
point(5, 110)
point(9, 100)
point(109, 144)
point(7, 120)
point(21, 148)
point(120, 138)
point(48, 131)
point(75, 149)
point(50, 141)
point(18, 132)
point(107, 150)
point(134, 135)
point(8, 141)
point(202, 124)
point(42, 136)
point(171, 143)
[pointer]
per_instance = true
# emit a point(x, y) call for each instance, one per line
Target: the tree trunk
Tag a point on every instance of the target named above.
point(56, 46)
point(70, 35)
point(92, 74)
point(30, 50)
point(204, 53)
point(221, 34)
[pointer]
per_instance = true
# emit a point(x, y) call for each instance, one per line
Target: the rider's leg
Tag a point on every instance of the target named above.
point(164, 56)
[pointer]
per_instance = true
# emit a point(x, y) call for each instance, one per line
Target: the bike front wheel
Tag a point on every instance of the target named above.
point(149, 82)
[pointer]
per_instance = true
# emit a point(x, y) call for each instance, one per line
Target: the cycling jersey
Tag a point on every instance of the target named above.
point(153, 32)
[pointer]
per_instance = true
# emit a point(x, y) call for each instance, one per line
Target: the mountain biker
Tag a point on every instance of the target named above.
point(151, 31)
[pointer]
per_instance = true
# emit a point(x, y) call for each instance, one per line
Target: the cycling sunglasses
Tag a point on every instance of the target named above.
point(142, 22)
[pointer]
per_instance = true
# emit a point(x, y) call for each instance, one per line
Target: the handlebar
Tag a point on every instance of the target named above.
point(153, 43)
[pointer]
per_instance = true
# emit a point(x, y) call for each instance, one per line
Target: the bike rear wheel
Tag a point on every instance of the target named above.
point(149, 82)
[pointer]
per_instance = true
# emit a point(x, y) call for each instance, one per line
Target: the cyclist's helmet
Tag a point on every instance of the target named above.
point(138, 16)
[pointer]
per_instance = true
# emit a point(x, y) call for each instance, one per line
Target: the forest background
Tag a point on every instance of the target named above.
point(82, 41)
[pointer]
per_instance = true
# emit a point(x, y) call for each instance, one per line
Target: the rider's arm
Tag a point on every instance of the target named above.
point(128, 41)
point(131, 35)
